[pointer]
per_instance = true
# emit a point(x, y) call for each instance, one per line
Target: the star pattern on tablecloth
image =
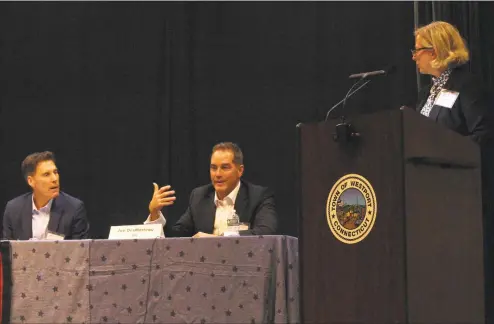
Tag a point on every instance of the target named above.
point(174, 282)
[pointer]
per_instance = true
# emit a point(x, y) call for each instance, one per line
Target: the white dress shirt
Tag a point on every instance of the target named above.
point(41, 217)
point(224, 208)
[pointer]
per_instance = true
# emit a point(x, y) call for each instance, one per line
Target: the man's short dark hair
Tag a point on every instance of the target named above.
point(28, 166)
point(238, 156)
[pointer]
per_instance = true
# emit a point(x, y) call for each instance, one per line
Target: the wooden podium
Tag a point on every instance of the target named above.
point(422, 261)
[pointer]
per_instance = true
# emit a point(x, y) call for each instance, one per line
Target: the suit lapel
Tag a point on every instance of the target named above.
point(27, 218)
point(209, 209)
point(56, 213)
point(241, 203)
point(435, 112)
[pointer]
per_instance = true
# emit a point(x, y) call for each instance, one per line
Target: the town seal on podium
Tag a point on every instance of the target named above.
point(351, 208)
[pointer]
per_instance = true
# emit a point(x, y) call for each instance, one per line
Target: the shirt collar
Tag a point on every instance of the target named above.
point(232, 196)
point(46, 209)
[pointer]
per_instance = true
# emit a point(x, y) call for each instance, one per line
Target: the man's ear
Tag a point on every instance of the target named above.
point(30, 181)
point(241, 170)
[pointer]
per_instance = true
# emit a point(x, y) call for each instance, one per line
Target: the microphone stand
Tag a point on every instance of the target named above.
point(344, 131)
point(348, 95)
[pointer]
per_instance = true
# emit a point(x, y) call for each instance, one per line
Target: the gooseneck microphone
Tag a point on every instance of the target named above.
point(364, 75)
point(363, 79)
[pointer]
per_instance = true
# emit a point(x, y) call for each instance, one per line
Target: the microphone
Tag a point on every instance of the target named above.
point(363, 80)
point(364, 75)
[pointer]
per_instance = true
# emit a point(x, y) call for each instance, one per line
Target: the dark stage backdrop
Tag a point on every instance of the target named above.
point(130, 93)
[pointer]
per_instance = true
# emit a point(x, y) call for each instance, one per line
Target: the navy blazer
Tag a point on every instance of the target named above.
point(67, 217)
point(254, 205)
point(472, 113)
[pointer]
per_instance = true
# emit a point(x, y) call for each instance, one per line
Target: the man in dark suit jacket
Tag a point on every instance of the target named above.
point(46, 209)
point(210, 205)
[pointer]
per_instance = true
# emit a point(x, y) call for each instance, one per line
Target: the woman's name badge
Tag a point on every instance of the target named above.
point(446, 98)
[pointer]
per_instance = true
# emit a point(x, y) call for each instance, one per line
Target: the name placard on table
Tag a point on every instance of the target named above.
point(140, 231)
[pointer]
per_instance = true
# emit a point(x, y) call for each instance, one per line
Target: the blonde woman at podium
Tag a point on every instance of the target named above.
point(455, 98)
point(459, 100)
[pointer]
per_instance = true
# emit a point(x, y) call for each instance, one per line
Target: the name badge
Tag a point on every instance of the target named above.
point(446, 98)
point(147, 231)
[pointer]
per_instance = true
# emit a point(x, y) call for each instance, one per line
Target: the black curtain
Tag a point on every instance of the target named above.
point(128, 93)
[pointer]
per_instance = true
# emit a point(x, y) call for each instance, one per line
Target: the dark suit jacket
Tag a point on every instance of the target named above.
point(67, 217)
point(473, 112)
point(254, 205)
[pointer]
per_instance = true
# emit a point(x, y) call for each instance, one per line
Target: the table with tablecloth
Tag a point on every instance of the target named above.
point(172, 280)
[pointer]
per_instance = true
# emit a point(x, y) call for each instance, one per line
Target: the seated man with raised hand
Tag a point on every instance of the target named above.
point(211, 205)
point(46, 209)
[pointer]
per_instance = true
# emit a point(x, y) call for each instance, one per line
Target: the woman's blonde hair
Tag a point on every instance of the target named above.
point(449, 46)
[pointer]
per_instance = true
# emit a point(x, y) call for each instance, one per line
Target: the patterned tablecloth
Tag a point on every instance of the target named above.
point(175, 280)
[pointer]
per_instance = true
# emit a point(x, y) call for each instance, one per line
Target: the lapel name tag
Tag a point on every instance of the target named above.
point(446, 98)
point(147, 231)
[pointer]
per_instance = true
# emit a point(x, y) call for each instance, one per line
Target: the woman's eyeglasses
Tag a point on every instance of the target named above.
point(415, 50)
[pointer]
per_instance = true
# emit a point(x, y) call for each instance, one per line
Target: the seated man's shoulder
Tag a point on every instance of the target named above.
point(69, 200)
point(257, 189)
point(19, 199)
point(203, 190)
